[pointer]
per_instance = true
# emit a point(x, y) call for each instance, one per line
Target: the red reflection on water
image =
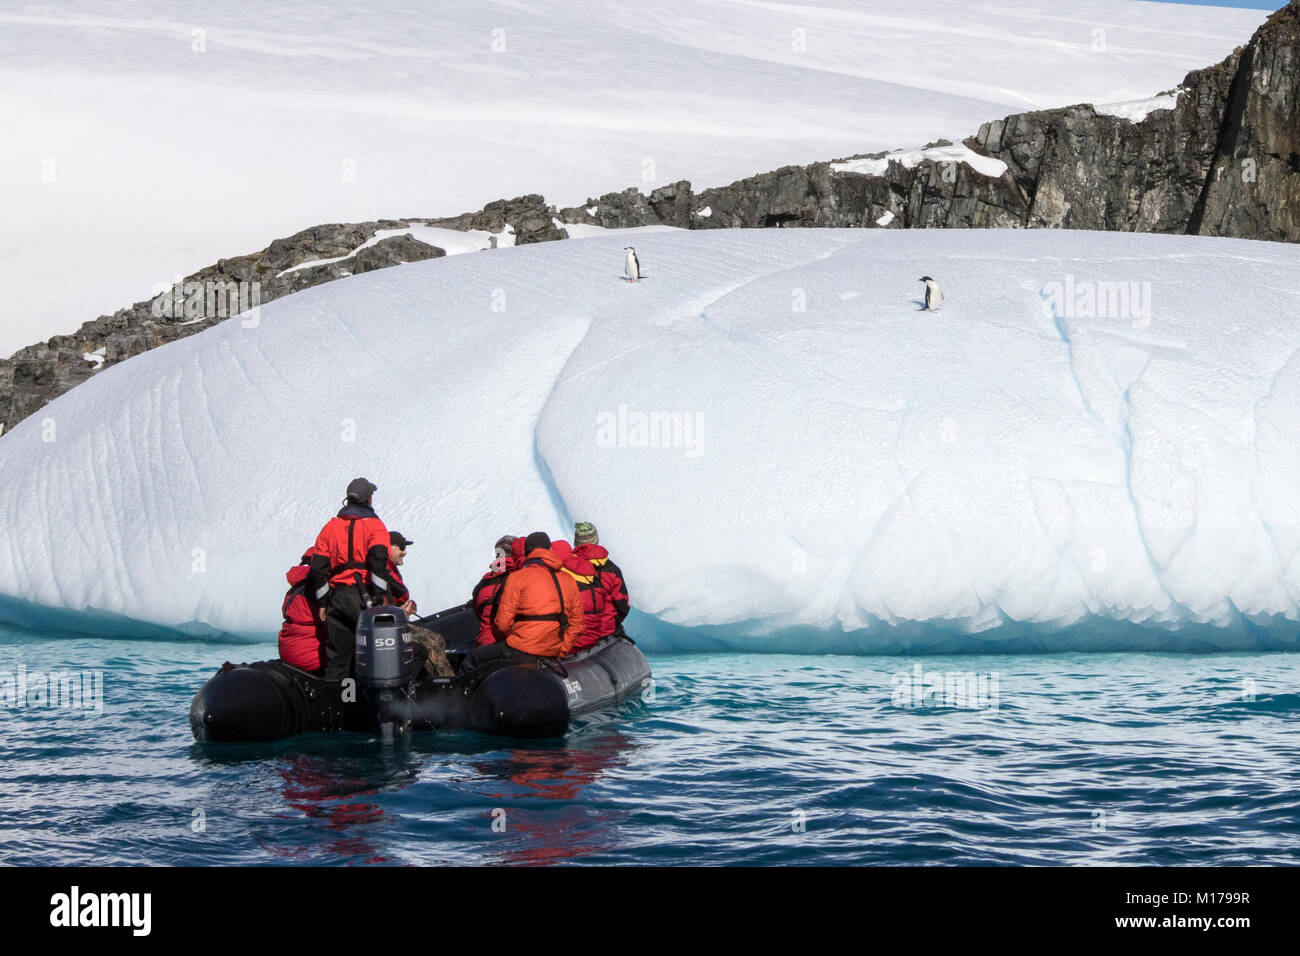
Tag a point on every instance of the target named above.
point(537, 837)
point(311, 785)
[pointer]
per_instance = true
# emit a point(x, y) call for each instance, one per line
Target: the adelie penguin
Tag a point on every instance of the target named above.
point(631, 267)
point(933, 294)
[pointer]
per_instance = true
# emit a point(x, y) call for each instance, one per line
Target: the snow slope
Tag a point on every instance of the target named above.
point(778, 446)
point(131, 157)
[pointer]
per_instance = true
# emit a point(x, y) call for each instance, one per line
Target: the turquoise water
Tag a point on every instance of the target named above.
point(738, 758)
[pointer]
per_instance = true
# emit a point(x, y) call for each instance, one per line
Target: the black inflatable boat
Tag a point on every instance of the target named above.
point(538, 698)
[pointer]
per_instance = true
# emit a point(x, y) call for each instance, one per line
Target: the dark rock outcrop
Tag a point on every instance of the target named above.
point(38, 374)
point(529, 218)
point(1224, 161)
point(668, 205)
point(1253, 188)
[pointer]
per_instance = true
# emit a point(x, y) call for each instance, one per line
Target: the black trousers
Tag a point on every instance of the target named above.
point(492, 652)
point(341, 632)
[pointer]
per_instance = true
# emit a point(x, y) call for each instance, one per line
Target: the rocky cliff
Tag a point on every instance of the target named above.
point(1222, 160)
point(1221, 157)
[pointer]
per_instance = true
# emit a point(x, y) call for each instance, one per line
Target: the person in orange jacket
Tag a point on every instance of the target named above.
point(540, 611)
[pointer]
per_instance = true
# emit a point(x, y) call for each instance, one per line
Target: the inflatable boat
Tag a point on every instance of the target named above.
point(538, 697)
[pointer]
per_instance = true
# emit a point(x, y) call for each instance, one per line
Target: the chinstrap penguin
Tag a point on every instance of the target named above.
point(933, 294)
point(631, 267)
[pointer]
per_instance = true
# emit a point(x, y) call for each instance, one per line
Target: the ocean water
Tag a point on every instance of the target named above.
point(735, 759)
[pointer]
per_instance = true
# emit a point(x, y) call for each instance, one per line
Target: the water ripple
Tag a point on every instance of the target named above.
point(1151, 759)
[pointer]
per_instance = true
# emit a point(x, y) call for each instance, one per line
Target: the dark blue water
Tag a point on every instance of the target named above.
point(769, 759)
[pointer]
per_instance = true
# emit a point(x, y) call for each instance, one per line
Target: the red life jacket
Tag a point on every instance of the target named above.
point(302, 637)
point(347, 543)
point(352, 549)
point(486, 597)
point(610, 580)
point(596, 622)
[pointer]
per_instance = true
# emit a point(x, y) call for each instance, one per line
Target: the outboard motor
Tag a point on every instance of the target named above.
point(385, 659)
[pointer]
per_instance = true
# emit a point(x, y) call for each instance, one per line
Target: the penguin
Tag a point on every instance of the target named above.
point(631, 267)
point(933, 294)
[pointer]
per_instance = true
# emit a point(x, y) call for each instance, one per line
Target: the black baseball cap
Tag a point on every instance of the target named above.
point(395, 537)
point(359, 489)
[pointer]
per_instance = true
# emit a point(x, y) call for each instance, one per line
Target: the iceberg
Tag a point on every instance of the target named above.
point(1091, 444)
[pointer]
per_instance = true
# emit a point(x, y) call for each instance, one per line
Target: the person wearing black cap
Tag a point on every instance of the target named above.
point(349, 570)
point(397, 545)
point(434, 643)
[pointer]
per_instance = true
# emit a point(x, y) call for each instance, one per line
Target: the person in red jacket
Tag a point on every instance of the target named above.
point(302, 636)
point(540, 611)
point(349, 571)
point(608, 576)
point(489, 587)
point(595, 599)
